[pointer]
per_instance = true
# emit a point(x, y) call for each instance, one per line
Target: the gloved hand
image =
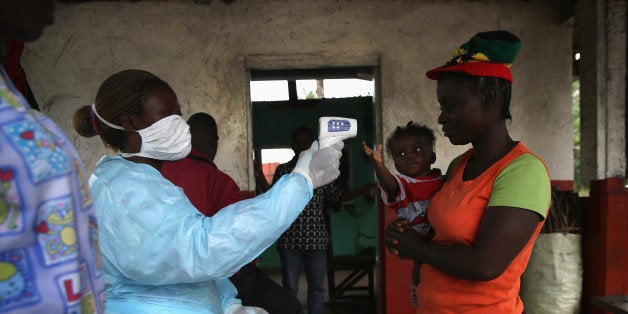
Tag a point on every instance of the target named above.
point(235, 308)
point(320, 166)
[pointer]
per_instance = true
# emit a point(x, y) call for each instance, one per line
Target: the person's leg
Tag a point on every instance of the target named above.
point(291, 264)
point(315, 271)
point(244, 283)
point(255, 288)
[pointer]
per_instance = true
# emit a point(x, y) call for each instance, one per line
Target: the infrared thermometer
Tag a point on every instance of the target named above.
point(330, 128)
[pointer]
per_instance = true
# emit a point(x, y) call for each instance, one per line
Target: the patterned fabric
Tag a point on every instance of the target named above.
point(309, 231)
point(414, 197)
point(49, 256)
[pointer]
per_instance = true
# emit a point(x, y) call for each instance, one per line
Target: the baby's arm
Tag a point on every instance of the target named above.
point(386, 179)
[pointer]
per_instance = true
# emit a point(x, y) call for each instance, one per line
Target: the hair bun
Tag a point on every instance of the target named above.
point(82, 122)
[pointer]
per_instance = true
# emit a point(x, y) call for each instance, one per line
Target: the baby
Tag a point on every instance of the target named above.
point(409, 191)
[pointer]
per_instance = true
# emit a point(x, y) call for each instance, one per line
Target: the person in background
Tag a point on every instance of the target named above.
point(160, 254)
point(304, 244)
point(409, 191)
point(496, 196)
point(209, 190)
point(49, 255)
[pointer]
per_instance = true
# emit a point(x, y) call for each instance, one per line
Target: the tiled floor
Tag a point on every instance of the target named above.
point(358, 306)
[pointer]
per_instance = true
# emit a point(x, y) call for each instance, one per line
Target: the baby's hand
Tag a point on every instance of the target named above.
point(374, 155)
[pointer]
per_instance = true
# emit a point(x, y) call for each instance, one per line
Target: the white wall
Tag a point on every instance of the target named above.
point(203, 51)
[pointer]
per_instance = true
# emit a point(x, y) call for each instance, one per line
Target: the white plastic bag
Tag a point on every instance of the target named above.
point(552, 282)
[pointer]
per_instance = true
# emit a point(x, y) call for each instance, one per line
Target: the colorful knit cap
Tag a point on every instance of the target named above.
point(485, 54)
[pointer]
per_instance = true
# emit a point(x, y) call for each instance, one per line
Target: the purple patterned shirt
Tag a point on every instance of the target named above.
point(49, 256)
point(309, 230)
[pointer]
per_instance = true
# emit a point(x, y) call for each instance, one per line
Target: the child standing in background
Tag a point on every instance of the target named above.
point(409, 191)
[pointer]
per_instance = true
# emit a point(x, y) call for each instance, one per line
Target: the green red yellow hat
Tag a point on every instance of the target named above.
point(485, 54)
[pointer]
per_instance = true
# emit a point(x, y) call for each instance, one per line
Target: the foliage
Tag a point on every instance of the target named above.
point(575, 113)
point(309, 94)
point(580, 186)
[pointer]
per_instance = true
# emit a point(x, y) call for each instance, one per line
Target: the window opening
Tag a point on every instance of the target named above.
point(269, 90)
point(311, 84)
point(273, 157)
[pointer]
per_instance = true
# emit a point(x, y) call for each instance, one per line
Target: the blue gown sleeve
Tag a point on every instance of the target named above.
point(151, 234)
point(228, 293)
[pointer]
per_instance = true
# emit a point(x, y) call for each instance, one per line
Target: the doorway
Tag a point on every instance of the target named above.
point(282, 100)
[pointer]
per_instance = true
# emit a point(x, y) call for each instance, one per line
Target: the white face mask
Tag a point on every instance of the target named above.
point(166, 139)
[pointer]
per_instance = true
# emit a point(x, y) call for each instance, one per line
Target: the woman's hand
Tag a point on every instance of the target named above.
point(502, 234)
point(401, 240)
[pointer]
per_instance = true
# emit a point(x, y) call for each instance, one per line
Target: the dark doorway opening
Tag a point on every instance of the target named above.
point(299, 98)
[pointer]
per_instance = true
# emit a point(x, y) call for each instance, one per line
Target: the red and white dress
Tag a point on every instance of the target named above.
point(414, 197)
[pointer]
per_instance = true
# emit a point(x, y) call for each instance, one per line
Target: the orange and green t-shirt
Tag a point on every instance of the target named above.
point(520, 179)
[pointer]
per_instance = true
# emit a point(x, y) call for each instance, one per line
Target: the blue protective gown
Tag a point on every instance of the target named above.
point(161, 255)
